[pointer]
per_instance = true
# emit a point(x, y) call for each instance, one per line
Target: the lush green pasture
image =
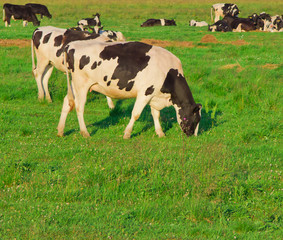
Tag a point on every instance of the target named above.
point(224, 184)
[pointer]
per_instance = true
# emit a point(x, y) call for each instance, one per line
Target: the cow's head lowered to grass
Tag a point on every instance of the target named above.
point(148, 73)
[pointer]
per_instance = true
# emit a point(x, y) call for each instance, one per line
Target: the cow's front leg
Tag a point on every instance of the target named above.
point(156, 114)
point(137, 110)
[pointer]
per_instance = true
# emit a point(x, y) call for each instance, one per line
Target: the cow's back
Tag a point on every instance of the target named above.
point(128, 66)
point(47, 41)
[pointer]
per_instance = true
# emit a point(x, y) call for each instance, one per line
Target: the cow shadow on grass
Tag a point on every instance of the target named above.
point(208, 120)
point(167, 119)
point(123, 113)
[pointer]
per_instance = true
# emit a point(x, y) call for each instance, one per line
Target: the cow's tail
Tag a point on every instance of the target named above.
point(32, 58)
point(4, 16)
point(70, 94)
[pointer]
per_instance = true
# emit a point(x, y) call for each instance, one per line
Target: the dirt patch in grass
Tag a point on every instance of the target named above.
point(238, 42)
point(162, 43)
point(15, 42)
point(270, 66)
point(208, 39)
point(230, 66)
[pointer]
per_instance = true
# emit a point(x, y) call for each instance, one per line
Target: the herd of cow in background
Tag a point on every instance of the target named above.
point(102, 61)
point(227, 11)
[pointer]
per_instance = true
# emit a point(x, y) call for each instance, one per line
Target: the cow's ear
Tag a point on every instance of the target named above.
point(197, 108)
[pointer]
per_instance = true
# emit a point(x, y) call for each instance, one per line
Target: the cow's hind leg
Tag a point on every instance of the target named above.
point(39, 73)
point(156, 114)
point(64, 113)
point(46, 76)
point(137, 110)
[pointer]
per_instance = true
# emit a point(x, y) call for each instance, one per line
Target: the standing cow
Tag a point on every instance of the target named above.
point(48, 43)
point(148, 73)
point(223, 9)
point(39, 9)
point(18, 12)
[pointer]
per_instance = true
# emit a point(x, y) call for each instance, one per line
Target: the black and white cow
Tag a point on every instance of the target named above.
point(239, 24)
point(39, 9)
point(90, 22)
point(48, 44)
point(222, 9)
point(276, 24)
point(198, 24)
point(148, 73)
point(18, 12)
point(158, 22)
point(115, 36)
point(220, 26)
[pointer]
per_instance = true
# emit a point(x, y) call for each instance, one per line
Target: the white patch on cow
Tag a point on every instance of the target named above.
point(25, 23)
point(239, 28)
point(162, 22)
point(213, 28)
point(96, 19)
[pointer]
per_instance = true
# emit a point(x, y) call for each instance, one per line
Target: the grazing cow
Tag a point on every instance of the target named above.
point(48, 44)
point(17, 12)
point(220, 26)
point(148, 73)
point(222, 9)
point(198, 24)
point(39, 9)
point(158, 22)
point(90, 22)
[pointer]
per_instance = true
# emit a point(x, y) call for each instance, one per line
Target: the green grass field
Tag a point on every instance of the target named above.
point(225, 183)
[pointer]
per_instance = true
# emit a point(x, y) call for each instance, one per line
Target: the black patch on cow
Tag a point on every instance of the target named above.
point(46, 38)
point(131, 60)
point(84, 61)
point(58, 40)
point(99, 63)
point(177, 86)
point(94, 65)
point(36, 38)
point(108, 84)
point(149, 91)
point(70, 59)
point(105, 78)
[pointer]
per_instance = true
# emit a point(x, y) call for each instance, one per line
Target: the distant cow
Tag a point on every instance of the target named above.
point(220, 26)
point(158, 22)
point(48, 44)
point(39, 9)
point(115, 36)
point(222, 9)
point(18, 12)
point(198, 24)
point(276, 23)
point(150, 74)
point(239, 24)
point(90, 22)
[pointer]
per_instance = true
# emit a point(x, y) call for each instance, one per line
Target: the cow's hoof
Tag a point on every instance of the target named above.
point(161, 134)
point(60, 134)
point(127, 136)
point(85, 134)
